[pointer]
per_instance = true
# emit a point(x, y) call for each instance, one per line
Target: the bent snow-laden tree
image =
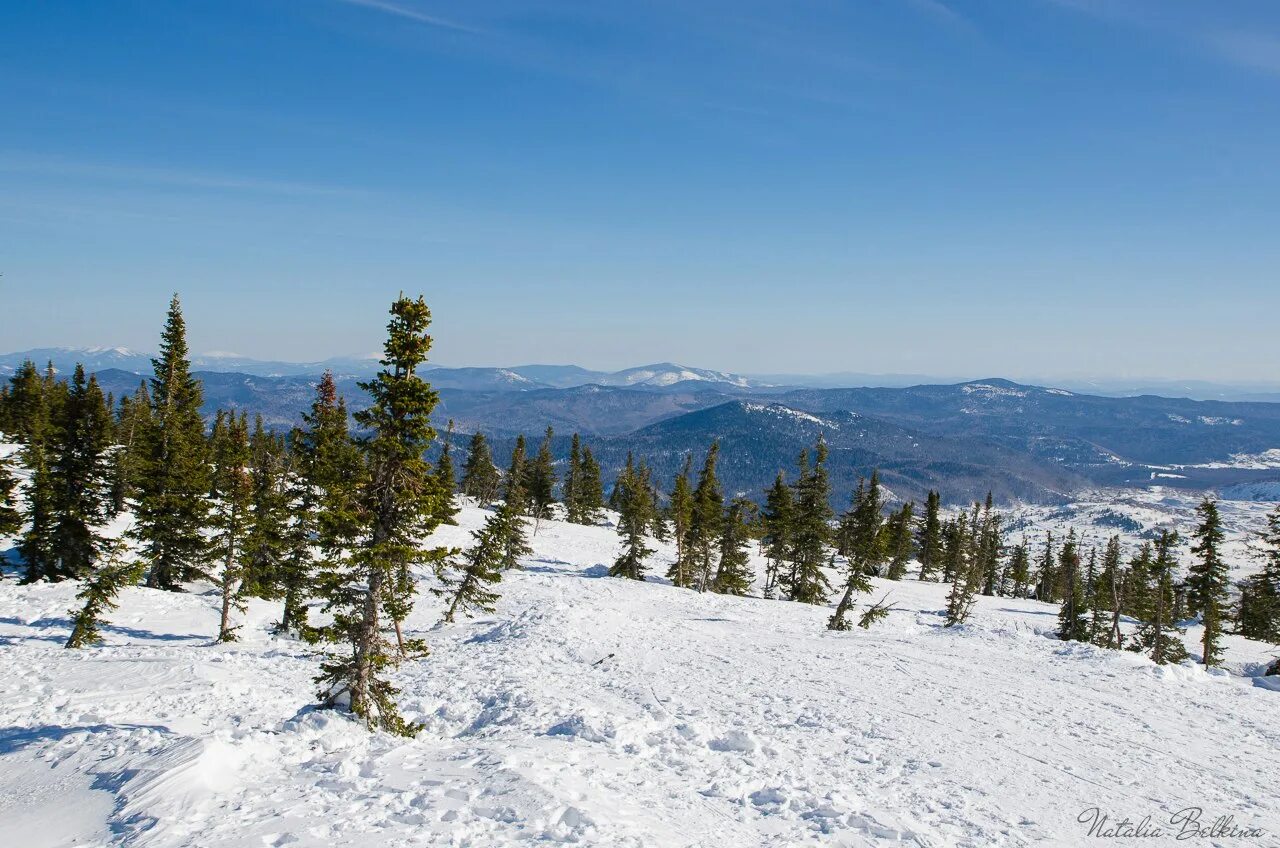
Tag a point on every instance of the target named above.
point(398, 505)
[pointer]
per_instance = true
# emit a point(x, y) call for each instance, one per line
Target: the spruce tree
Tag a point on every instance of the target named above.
point(266, 542)
point(862, 543)
point(127, 460)
point(990, 548)
point(900, 543)
point(616, 493)
point(1020, 569)
point(172, 507)
point(27, 405)
point(733, 575)
point(636, 510)
point(706, 522)
point(398, 503)
point(99, 592)
point(1047, 576)
point(681, 511)
point(513, 483)
point(930, 543)
point(590, 491)
point(571, 488)
point(480, 567)
point(1157, 635)
point(1259, 615)
point(541, 482)
point(79, 467)
point(811, 530)
point(232, 499)
point(1108, 597)
point(36, 416)
point(323, 465)
point(446, 479)
point(1209, 580)
point(778, 546)
point(965, 568)
point(10, 517)
point(1073, 617)
point(480, 477)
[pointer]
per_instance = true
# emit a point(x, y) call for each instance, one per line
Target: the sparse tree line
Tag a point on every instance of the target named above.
point(335, 519)
point(803, 541)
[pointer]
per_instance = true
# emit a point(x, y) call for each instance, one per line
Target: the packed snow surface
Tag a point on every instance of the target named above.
point(596, 711)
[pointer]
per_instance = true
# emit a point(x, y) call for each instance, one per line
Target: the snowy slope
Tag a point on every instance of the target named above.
point(597, 711)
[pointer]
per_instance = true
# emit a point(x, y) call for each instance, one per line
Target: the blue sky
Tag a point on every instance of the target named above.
point(1047, 187)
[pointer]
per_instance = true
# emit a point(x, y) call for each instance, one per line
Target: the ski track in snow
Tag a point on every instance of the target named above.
point(716, 722)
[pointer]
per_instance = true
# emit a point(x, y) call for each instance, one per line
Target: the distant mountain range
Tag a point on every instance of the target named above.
point(659, 375)
point(1024, 442)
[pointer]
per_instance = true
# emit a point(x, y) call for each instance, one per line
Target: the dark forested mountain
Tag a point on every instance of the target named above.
point(1019, 441)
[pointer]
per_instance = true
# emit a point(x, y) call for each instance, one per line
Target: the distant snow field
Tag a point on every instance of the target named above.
point(596, 711)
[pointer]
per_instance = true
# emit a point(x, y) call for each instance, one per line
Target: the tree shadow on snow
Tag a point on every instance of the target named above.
point(16, 738)
point(64, 624)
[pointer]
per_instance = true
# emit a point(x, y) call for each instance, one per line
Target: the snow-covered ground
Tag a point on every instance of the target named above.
point(598, 711)
point(1138, 515)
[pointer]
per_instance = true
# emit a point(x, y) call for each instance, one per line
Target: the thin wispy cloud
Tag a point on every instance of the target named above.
point(1249, 49)
point(20, 162)
point(1218, 30)
point(940, 12)
point(412, 14)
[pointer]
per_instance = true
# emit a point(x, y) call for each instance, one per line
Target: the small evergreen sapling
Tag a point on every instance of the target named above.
point(99, 592)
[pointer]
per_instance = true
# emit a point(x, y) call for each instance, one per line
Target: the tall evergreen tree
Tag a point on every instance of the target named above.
point(399, 503)
point(1073, 617)
point(862, 543)
point(990, 548)
point(1157, 635)
point(681, 511)
point(778, 545)
point(570, 489)
point(79, 477)
point(616, 493)
point(266, 542)
point(232, 498)
point(930, 542)
point(1019, 569)
point(1108, 597)
point(480, 477)
point(446, 479)
point(37, 412)
point(636, 510)
point(324, 466)
point(541, 481)
point(811, 529)
point(706, 523)
point(1259, 615)
point(733, 575)
point(127, 460)
point(28, 415)
point(965, 567)
point(1209, 581)
point(513, 483)
point(10, 517)
point(172, 507)
point(1047, 576)
point(590, 491)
